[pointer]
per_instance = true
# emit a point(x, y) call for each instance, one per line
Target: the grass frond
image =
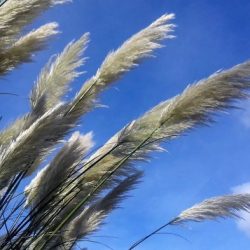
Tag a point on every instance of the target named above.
point(23, 49)
point(55, 78)
point(122, 60)
point(217, 207)
point(59, 170)
point(72, 195)
point(211, 209)
point(169, 119)
point(31, 144)
point(15, 15)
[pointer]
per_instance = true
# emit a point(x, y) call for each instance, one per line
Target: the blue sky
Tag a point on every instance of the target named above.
point(211, 35)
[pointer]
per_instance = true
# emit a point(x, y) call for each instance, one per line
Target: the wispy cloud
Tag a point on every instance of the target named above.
point(244, 223)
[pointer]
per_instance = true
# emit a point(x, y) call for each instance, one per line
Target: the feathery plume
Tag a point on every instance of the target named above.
point(10, 133)
point(217, 207)
point(166, 121)
point(210, 209)
point(51, 85)
point(193, 107)
point(22, 50)
point(122, 60)
point(32, 144)
point(54, 79)
point(105, 178)
point(138, 47)
point(57, 172)
point(37, 36)
point(15, 15)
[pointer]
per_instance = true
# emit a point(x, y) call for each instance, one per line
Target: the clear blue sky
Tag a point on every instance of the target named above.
point(211, 35)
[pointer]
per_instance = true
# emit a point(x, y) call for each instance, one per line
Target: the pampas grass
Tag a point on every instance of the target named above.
point(122, 60)
point(14, 16)
point(59, 169)
point(217, 207)
point(166, 121)
point(70, 197)
point(19, 155)
point(22, 50)
point(55, 78)
point(211, 209)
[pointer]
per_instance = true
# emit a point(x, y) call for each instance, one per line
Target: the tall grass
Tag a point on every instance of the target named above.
point(69, 199)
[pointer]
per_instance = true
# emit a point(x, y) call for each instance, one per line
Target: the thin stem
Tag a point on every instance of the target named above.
point(3, 2)
point(149, 235)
